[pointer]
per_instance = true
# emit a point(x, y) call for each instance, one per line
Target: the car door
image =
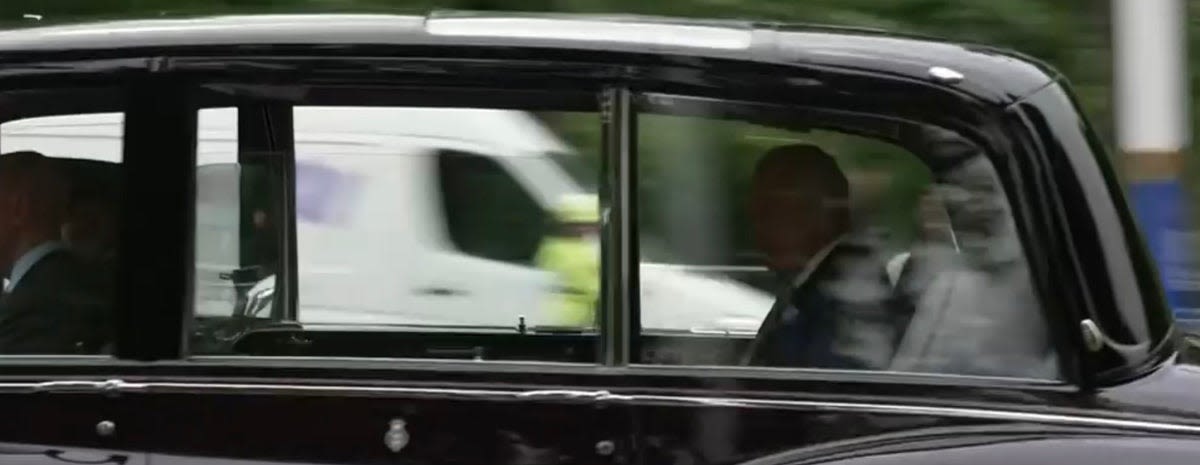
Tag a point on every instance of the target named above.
point(374, 425)
point(195, 403)
point(496, 413)
point(57, 422)
point(944, 364)
point(55, 412)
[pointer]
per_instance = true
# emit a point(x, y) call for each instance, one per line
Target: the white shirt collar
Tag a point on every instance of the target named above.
point(30, 258)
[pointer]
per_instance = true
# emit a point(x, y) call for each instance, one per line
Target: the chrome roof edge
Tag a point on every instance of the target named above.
point(118, 387)
point(998, 73)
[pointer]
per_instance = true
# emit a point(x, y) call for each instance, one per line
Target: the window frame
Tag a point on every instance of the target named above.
point(620, 284)
point(615, 78)
point(159, 160)
point(454, 98)
point(694, 105)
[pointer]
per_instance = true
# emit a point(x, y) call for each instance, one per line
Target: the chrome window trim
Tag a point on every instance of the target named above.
point(648, 34)
point(640, 369)
point(113, 387)
point(769, 372)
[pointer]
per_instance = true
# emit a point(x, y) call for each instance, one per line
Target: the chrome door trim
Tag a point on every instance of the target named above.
point(117, 387)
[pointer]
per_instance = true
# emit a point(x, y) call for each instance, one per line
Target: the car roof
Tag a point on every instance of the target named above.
point(999, 71)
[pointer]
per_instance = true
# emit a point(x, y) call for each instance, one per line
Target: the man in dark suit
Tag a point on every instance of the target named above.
point(833, 308)
point(51, 301)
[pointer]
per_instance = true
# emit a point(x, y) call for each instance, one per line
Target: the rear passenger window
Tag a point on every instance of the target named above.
point(419, 232)
point(60, 183)
point(239, 234)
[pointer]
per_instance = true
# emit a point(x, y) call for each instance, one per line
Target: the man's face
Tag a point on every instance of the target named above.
point(17, 207)
point(91, 230)
point(789, 217)
point(32, 203)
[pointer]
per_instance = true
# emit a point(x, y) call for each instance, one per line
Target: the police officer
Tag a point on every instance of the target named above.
point(571, 252)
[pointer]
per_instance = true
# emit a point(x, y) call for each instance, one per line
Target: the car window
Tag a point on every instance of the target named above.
point(435, 232)
point(779, 239)
point(89, 136)
point(236, 241)
point(60, 180)
point(767, 237)
point(217, 236)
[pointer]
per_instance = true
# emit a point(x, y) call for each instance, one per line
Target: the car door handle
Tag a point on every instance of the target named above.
point(441, 292)
point(571, 394)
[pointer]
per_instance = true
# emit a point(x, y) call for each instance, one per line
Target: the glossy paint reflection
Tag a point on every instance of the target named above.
point(28, 454)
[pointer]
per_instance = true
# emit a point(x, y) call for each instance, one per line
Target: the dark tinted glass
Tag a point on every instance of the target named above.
point(420, 232)
point(775, 237)
point(481, 199)
point(60, 183)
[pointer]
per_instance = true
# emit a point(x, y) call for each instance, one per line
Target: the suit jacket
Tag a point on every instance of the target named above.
point(58, 307)
point(843, 316)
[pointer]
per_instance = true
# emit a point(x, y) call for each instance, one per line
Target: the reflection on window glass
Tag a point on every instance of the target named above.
point(60, 191)
point(785, 242)
point(237, 233)
point(420, 232)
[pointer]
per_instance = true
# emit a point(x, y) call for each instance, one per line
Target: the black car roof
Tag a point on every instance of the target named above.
point(987, 70)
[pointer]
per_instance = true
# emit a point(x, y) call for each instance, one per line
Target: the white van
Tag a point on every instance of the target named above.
point(375, 241)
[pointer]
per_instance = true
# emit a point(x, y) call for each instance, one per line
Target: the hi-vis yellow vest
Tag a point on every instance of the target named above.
point(575, 265)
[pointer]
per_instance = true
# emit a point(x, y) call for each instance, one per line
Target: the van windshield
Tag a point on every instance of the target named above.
point(578, 168)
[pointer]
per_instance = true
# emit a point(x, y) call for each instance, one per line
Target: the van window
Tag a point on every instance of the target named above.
point(769, 237)
point(60, 181)
point(443, 233)
point(480, 199)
